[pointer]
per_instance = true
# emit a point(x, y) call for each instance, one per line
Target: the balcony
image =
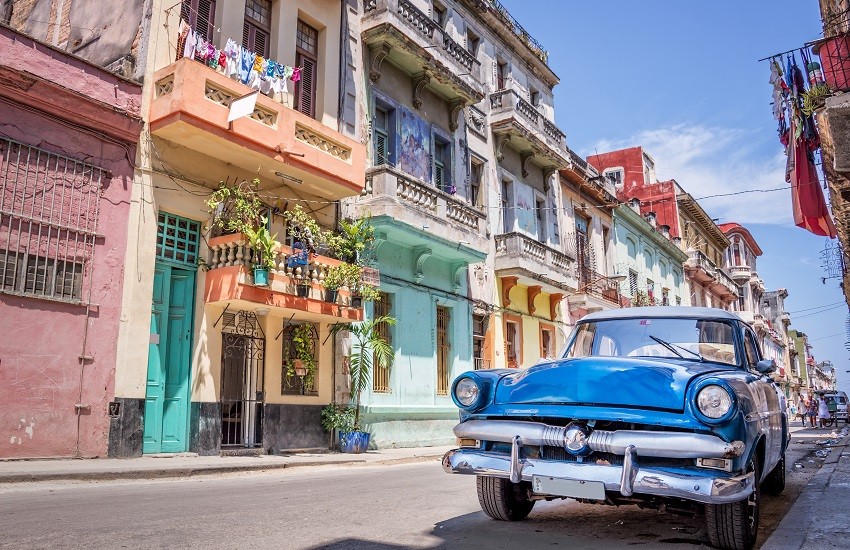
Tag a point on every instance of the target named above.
point(228, 281)
point(740, 273)
point(595, 292)
point(534, 263)
point(700, 268)
point(190, 108)
point(453, 229)
point(398, 32)
point(724, 286)
point(519, 124)
point(756, 282)
point(588, 179)
point(499, 19)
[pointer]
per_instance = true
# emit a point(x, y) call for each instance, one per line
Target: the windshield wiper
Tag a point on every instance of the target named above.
point(672, 347)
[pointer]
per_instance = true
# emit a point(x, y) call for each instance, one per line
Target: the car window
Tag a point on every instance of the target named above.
point(691, 339)
point(750, 348)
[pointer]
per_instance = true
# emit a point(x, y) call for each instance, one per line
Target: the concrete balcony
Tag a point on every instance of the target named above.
point(786, 319)
point(229, 281)
point(700, 268)
point(534, 264)
point(518, 124)
point(398, 32)
point(740, 273)
point(837, 112)
point(452, 228)
point(724, 286)
point(190, 108)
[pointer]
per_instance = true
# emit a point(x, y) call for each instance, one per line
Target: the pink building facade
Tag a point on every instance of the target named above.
point(68, 136)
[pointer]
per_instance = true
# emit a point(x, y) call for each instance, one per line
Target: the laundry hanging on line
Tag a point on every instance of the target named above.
point(237, 62)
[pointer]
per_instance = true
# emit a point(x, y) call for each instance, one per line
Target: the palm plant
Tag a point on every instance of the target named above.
point(368, 349)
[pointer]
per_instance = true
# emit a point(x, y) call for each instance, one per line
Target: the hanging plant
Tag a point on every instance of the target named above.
point(304, 229)
point(235, 208)
point(814, 98)
point(304, 360)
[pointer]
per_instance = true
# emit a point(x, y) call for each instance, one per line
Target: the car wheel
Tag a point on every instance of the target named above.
point(774, 483)
point(500, 499)
point(734, 526)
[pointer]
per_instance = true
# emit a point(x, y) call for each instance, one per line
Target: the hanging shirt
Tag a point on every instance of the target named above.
point(258, 64)
point(247, 64)
point(296, 74)
point(182, 32)
point(232, 52)
point(189, 46)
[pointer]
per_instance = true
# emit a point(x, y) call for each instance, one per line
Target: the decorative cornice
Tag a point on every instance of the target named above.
point(533, 292)
point(419, 82)
point(507, 284)
point(554, 300)
point(420, 254)
point(455, 107)
point(458, 269)
point(379, 53)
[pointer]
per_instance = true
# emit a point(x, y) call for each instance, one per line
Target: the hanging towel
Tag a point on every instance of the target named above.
point(247, 64)
point(182, 32)
point(296, 74)
point(189, 46)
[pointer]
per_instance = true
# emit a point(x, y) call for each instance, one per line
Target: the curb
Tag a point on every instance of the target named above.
point(791, 533)
point(190, 471)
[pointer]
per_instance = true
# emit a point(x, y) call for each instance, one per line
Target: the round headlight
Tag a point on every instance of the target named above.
point(575, 439)
point(466, 391)
point(714, 401)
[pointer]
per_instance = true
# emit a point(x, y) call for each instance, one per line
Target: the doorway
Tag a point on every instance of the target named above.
point(242, 360)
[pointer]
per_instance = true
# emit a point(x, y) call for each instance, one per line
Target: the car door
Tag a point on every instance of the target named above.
point(769, 405)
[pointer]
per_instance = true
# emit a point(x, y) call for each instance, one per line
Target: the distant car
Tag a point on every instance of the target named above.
point(666, 407)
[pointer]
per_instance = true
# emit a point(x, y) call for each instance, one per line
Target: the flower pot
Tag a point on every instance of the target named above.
point(835, 61)
point(353, 442)
point(302, 290)
point(261, 276)
point(330, 295)
point(357, 301)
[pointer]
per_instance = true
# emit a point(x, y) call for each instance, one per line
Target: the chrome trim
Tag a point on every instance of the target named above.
point(646, 443)
point(516, 459)
point(627, 479)
point(648, 481)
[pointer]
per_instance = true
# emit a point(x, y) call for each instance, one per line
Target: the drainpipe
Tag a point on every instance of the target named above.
point(343, 27)
point(81, 407)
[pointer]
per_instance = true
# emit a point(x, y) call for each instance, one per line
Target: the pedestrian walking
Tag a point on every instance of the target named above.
point(792, 411)
point(823, 411)
point(811, 411)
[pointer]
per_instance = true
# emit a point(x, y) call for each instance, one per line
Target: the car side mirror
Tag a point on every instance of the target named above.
point(766, 366)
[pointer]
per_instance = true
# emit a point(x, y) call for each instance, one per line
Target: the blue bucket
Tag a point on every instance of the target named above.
point(353, 442)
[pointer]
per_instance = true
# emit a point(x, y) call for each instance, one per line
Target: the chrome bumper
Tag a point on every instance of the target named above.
point(627, 479)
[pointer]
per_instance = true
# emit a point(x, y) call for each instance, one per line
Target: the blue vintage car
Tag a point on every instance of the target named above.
point(668, 407)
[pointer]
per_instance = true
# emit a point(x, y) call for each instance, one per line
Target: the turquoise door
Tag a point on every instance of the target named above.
point(169, 359)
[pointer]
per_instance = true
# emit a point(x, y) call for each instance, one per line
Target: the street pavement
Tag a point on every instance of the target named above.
point(817, 519)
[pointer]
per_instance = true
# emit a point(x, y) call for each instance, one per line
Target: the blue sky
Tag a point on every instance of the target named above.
point(683, 80)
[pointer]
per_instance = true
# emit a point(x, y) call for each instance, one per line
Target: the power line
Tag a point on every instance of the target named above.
point(815, 307)
point(819, 312)
point(825, 337)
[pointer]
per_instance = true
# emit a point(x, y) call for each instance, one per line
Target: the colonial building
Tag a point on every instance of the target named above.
point(778, 319)
point(651, 262)
point(633, 171)
point(68, 137)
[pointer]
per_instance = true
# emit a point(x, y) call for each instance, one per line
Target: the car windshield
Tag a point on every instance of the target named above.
point(692, 339)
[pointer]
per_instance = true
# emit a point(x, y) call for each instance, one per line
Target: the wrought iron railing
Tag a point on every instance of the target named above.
point(597, 284)
point(505, 16)
point(699, 260)
point(510, 100)
point(481, 363)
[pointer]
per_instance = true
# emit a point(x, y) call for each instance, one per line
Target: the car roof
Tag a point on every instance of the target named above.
point(652, 312)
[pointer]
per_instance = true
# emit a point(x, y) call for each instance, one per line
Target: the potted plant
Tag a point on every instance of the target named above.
point(302, 363)
point(235, 208)
point(264, 245)
point(364, 293)
point(367, 345)
point(338, 276)
point(353, 239)
point(337, 418)
point(304, 230)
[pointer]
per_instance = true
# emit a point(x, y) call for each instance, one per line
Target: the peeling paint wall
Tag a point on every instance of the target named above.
point(41, 376)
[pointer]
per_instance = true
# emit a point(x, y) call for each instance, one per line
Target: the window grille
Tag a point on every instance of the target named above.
point(297, 383)
point(479, 331)
point(443, 350)
point(633, 283)
point(547, 341)
point(512, 344)
point(381, 376)
point(177, 239)
point(49, 207)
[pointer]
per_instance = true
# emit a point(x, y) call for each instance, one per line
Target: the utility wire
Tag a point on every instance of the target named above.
point(816, 307)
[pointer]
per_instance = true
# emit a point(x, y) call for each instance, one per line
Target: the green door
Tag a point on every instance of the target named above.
point(169, 358)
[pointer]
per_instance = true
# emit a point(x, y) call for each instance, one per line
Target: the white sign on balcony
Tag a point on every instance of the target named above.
point(242, 106)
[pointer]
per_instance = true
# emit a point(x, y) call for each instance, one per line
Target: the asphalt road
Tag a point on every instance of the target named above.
point(342, 507)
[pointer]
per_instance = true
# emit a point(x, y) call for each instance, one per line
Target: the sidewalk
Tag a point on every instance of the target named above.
point(187, 464)
point(819, 517)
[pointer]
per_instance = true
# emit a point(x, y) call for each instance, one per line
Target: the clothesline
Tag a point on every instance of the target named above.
point(238, 63)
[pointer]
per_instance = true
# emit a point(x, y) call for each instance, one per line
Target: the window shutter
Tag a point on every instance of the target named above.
point(186, 11)
point(246, 36)
point(439, 176)
point(206, 18)
point(261, 42)
point(380, 148)
point(306, 97)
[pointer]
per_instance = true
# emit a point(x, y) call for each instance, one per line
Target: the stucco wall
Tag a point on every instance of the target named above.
point(41, 379)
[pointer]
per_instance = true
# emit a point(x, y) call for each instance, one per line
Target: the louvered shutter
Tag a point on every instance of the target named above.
point(380, 148)
point(186, 11)
point(206, 18)
point(305, 100)
point(246, 36)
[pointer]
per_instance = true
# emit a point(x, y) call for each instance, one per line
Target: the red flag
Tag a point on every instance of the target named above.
point(810, 211)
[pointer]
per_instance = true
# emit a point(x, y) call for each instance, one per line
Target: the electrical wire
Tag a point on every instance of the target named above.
point(816, 307)
point(821, 311)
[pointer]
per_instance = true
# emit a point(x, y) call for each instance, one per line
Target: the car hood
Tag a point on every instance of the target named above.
point(605, 381)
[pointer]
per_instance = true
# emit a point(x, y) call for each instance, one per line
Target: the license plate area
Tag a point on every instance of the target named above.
point(573, 488)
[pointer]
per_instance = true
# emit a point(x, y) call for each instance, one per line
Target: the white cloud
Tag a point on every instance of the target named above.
point(713, 160)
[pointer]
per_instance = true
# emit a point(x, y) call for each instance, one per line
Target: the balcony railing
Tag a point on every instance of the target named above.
point(480, 363)
point(726, 282)
point(412, 23)
point(524, 248)
point(519, 31)
point(506, 104)
point(740, 272)
point(599, 285)
point(699, 261)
